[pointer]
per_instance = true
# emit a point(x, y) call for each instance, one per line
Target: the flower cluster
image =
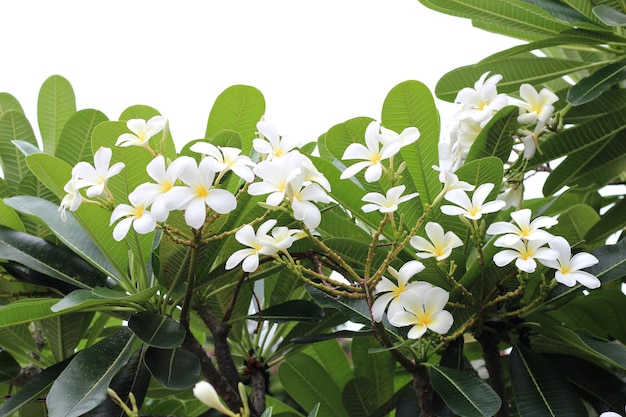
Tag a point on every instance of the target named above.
point(477, 106)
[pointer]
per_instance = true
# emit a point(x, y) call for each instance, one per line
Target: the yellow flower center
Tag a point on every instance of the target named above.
point(166, 186)
point(201, 191)
point(138, 212)
point(473, 211)
point(375, 158)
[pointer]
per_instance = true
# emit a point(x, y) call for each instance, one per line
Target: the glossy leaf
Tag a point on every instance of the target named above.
point(237, 108)
point(614, 220)
point(75, 140)
point(464, 394)
point(505, 17)
point(166, 364)
point(55, 105)
point(314, 411)
point(592, 86)
point(64, 332)
point(82, 385)
point(26, 310)
point(9, 367)
point(48, 259)
point(292, 310)
point(157, 330)
point(307, 382)
point(609, 15)
point(9, 217)
point(539, 388)
point(55, 173)
point(612, 263)
point(36, 387)
point(603, 389)
point(69, 232)
point(87, 299)
point(561, 11)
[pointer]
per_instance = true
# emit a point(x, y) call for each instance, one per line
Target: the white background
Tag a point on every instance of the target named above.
point(318, 63)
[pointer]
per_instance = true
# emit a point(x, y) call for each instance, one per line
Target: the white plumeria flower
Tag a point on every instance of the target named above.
point(610, 414)
point(72, 199)
point(530, 139)
point(569, 268)
point(389, 293)
point(441, 246)
point(227, 158)
point(406, 137)
point(482, 101)
point(538, 106)
point(208, 396)
point(301, 196)
point(524, 252)
point(259, 243)
point(276, 175)
point(371, 154)
point(142, 131)
point(136, 215)
point(154, 194)
point(512, 196)
point(451, 181)
point(311, 173)
point(273, 145)
point(423, 310)
point(387, 203)
point(198, 192)
point(524, 230)
point(475, 208)
point(96, 177)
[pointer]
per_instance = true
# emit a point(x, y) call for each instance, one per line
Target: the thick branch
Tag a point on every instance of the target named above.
point(489, 341)
point(424, 390)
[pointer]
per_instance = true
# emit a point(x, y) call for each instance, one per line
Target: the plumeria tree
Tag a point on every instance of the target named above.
point(392, 267)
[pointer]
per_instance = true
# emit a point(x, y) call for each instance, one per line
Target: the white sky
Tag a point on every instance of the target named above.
point(317, 63)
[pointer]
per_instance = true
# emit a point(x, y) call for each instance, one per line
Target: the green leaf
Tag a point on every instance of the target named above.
point(507, 18)
point(157, 330)
point(516, 71)
point(561, 11)
point(17, 340)
point(54, 174)
point(496, 139)
point(308, 383)
point(574, 224)
point(55, 105)
point(26, 310)
point(612, 263)
point(63, 333)
point(9, 368)
point(590, 136)
point(69, 232)
point(75, 139)
point(8, 103)
point(37, 386)
point(377, 368)
point(609, 15)
point(314, 411)
point(166, 364)
point(464, 394)
point(51, 260)
point(411, 104)
point(9, 218)
point(100, 297)
point(14, 126)
point(593, 86)
point(611, 222)
point(82, 385)
point(603, 389)
point(292, 310)
point(237, 108)
point(539, 388)
point(359, 397)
